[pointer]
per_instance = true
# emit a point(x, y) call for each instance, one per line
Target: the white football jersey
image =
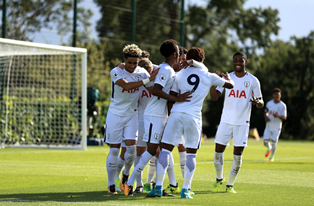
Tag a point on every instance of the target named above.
point(145, 96)
point(125, 103)
point(199, 81)
point(158, 106)
point(237, 105)
point(281, 109)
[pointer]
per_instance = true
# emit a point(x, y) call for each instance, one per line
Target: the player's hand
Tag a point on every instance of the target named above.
point(183, 97)
point(121, 65)
point(154, 74)
point(217, 72)
point(186, 63)
point(226, 76)
point(267, 119)
point(254, 100)
point(177, 67)
point(276, 115)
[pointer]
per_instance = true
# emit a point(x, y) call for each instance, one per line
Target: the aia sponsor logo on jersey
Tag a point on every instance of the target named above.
point(146, 94)
point(131, 90)
point(273, 112)
point(237, 94)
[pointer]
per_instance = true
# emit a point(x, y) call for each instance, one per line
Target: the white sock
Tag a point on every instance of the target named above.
point(219, 164)
point(182, 161)
point(189, 170)
point(156, 163)
point(273, 149)
point(151, 169)
point(170, 171)
point(235, 168)
point(162, 165)
point(267, 144)
point(129, 157)
point(119, 168)
point(138, 177)
point(145, 157)
point(111, 164)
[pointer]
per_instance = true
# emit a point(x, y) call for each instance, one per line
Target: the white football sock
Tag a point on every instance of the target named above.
point(140, 176)
point(273, 149)
point(119, 168)
point(145, 157)
point(189, 170)
point(267, 144)
point(151, 169)
point(182, 161)
point(235, 168)
point(129, 157)
point(111, 164)
point(162, 165)
point(170, 171)
point(219, 164)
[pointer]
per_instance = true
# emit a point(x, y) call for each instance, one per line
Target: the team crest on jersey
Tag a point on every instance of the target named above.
point(156, 136)
point(246, 84)
point(138, 78)
point(162, 78)
point(116, 74)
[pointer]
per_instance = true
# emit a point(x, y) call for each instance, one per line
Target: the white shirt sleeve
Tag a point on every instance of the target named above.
point(116, 74)
point(216, 80)
point(198, 64)
point(162, 77)
point(257, 89)
point(284, 110)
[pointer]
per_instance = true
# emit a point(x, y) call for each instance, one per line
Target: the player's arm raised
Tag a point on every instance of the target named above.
point(157, 91)
point(229, 84)
point(132, 85)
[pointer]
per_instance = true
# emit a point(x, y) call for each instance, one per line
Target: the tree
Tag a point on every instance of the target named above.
point(156, 21)
point(288, 66)
point(26, 17)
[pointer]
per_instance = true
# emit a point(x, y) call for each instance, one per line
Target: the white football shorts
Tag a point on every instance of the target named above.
point(182, 140)
point(271, 135)
point(154, 127)
point(120, 128)
point(226, 131)
point(183, 124)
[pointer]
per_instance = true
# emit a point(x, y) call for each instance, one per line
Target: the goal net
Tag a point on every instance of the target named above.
point(41, 86)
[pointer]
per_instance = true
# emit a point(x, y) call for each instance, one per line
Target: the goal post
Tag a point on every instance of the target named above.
point(43, 95)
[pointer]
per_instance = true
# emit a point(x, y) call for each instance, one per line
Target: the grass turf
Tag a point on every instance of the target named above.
point(66, 177)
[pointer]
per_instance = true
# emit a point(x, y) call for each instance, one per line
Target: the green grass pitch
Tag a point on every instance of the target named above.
point(66, 177)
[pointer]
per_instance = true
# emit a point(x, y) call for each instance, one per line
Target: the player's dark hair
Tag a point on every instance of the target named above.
point(145, 63)
point(168, 47)
point(145, 54)
point(196, 53)
point(182, 51)
point(276, 90)
point(240, 53)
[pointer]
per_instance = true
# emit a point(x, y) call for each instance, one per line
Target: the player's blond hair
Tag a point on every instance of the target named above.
point(132, 50)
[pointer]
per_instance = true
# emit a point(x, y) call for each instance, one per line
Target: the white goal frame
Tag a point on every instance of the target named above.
point(48, 49)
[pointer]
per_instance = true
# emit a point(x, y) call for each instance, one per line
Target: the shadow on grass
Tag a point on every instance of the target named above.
point(91, 196)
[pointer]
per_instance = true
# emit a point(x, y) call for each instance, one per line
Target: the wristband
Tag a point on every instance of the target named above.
point(145, 81)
